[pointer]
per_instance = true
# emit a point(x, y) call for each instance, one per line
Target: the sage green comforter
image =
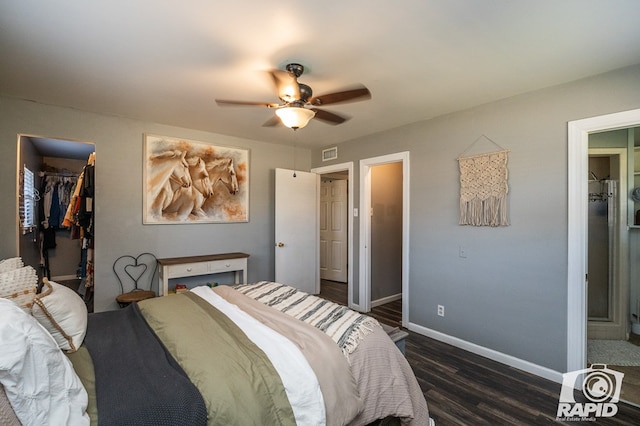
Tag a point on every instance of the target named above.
point(236, 379)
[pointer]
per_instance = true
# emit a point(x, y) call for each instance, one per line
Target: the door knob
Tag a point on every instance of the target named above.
point(280, 244)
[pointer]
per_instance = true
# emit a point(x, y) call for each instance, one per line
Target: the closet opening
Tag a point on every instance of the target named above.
point(55, 197)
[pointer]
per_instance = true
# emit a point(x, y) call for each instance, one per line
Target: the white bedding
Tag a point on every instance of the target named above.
point(39, 380)
point(300, 382)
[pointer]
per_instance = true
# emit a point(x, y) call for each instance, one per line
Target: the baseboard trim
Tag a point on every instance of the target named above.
point(503, 358)
point(64, 277)
point(385, 300)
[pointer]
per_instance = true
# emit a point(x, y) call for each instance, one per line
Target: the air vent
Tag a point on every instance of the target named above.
point(330, 153)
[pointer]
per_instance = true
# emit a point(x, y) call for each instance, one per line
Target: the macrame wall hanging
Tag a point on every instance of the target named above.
point(483, 187)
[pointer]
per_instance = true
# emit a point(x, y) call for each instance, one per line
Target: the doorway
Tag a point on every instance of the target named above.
point(386, 233)
point(333, 227)
point(368, 205)
point(577, 168)
point(344, 173)
point(47, 244)
point(578, 171)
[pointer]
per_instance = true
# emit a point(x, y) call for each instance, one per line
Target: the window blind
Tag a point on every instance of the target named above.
point(29, 198)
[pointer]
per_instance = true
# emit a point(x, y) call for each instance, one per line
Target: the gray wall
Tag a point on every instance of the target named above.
point(118, 204)
point(510, 293)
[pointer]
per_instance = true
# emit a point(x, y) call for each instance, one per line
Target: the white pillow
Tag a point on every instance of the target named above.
point(63, 313)
point(11, 264)
point(20, 286)
point(38, 378)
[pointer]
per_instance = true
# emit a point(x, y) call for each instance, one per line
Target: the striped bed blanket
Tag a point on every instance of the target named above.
point(345, 326)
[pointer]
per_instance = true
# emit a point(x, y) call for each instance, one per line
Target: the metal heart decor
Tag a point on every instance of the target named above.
point(133, 271)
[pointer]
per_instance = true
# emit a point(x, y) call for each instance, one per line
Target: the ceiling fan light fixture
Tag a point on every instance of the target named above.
point(295, 117)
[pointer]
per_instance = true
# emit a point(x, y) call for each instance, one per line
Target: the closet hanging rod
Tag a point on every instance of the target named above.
point(69, 174)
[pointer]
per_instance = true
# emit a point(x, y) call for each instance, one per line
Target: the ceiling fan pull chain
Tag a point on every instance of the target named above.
point(295, 135)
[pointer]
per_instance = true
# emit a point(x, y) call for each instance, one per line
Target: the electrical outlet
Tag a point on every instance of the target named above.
point(440, 310)
point(462, 252)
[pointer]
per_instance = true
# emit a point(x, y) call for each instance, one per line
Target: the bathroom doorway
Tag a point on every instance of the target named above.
point(611, 248)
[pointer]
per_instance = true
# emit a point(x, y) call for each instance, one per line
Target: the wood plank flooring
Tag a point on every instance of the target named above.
point(462, 388)
point(631, 382)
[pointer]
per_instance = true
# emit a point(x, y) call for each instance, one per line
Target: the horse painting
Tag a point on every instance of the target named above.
point(194, 182)
point(189, 200)
point(168, 171)
point(222, 170)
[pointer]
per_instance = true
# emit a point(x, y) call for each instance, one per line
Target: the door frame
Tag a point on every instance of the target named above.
point(365, 229)
point(348, 167)
point(577, 194)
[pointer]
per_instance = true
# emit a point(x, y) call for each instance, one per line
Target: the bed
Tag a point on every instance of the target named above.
point(255, 354)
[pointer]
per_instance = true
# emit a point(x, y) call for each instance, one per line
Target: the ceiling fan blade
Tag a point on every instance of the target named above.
point(272, 122)
point(353, 95)
point(286, 85)
point(224, 102)
point(329, 117)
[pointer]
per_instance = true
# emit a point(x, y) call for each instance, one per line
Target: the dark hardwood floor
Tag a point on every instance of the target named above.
point(462, 388)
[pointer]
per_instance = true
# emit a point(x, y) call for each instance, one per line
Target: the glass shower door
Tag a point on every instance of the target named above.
point(601, 240)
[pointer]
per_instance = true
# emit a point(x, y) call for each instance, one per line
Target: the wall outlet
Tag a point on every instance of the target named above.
point(462, 252)
point(440, 310)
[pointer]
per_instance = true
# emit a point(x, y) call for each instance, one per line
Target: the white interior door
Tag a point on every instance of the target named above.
point(333, 230)
point(297, 230)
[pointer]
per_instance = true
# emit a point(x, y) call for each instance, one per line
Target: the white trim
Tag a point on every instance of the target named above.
point(365, 229)
point(385, 300)
point(577, 175)
point(503, 358)
point(17, 197)
point(350, 261)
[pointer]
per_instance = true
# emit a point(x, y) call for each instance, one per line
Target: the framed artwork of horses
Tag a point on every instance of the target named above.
point(194, 182)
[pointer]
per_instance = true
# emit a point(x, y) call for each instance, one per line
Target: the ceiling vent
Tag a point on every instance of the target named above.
point(330, 153)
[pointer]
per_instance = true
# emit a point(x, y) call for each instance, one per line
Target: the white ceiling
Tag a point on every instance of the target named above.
point(166, 61)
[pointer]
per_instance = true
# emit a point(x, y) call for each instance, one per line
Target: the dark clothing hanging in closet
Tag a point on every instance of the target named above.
point(54, 211)
point(48, 238)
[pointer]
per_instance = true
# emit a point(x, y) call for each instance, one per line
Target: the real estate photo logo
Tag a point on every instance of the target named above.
point(600, 387)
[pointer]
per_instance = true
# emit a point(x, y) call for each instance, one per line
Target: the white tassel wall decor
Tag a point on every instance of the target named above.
point(483, 189)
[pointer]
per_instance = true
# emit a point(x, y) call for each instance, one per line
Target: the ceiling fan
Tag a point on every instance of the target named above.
point(295, 97)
